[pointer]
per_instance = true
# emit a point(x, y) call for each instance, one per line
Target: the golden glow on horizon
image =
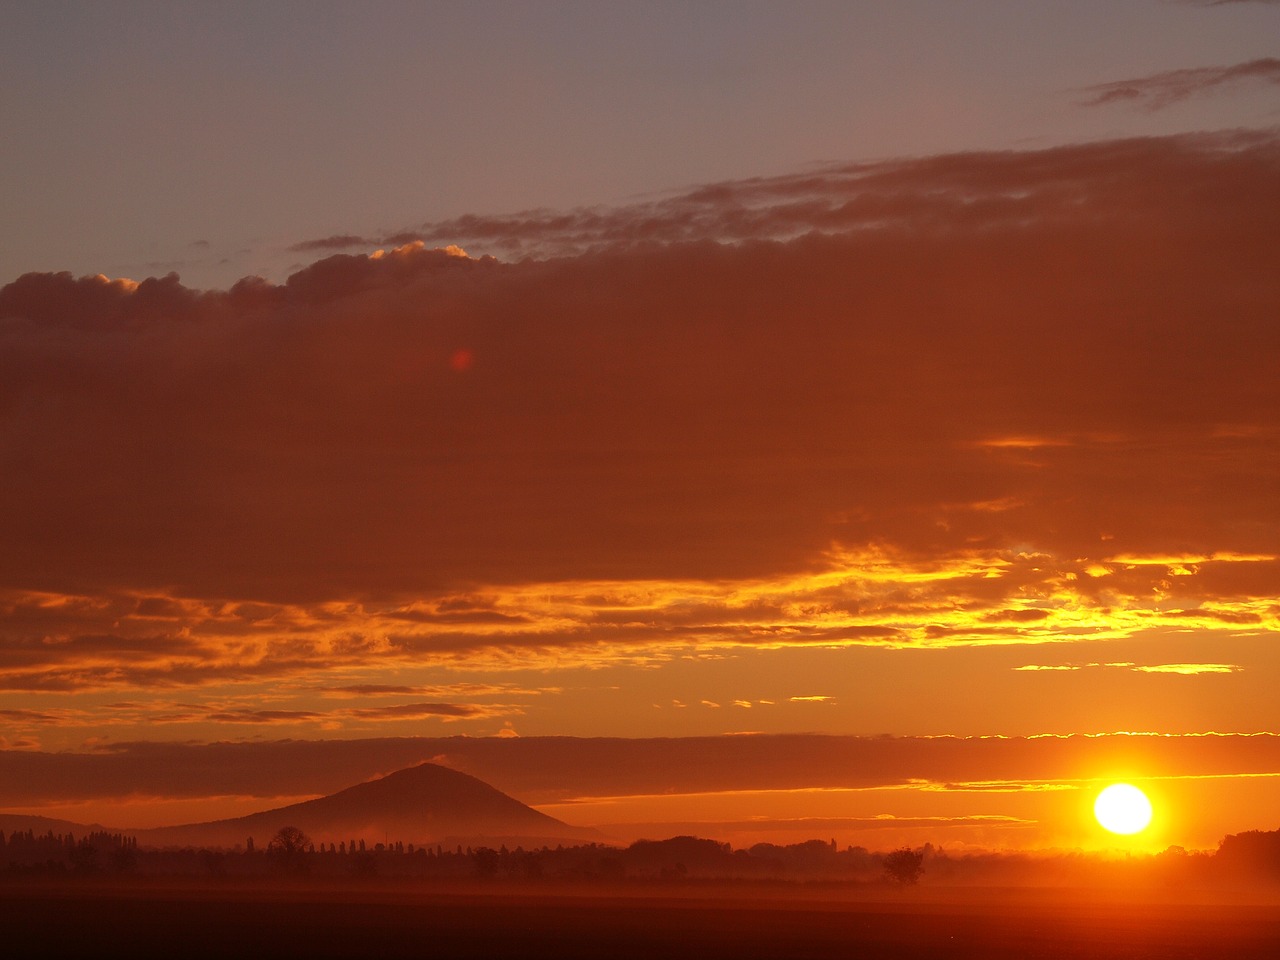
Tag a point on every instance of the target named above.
point(1122, 808)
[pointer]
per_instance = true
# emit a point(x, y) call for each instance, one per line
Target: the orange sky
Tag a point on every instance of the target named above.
point(968, 446)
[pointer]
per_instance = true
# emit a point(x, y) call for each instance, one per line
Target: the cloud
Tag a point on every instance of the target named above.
point(931, 195)
point(557, 769)
point(861, 598)
point(1160, 90)
point(821, 826)
point(1183, 669)
point(451, 689)
point(264, 716)
point(246, 711)
point(343, 241)
point(368, 689)
point(418, 711)
point(987, 398)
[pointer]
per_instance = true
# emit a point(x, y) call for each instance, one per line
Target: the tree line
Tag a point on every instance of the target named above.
point(95, 852)
point(1251, 857)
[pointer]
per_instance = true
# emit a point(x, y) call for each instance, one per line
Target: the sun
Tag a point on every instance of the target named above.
point(1122, 808)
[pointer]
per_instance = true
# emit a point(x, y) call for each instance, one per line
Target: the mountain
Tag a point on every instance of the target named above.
point(423, 804)
point(21, 822)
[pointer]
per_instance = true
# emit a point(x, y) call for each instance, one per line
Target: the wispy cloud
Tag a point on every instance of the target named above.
point(933, 195)
point(264, 716)
point(1161, 90)
point(1182, 669)
point(329, 244)
point(162, 713)
point(418, 711)
point(436, 690)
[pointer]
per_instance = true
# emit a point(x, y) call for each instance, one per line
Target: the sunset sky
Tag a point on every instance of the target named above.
point(864, 415)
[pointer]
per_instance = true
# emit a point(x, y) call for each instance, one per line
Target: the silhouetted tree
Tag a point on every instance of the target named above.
point(1252, 854)
point(904, 866)
point(288, 850)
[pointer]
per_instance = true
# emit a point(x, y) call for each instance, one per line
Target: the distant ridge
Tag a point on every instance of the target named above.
point(40, 826)
point(423, 804)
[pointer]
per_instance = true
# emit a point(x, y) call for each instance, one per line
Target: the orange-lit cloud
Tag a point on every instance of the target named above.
point(860, 598)
point(957, 402)
point(169, 713)
point(1183, 669)
point(453, 689)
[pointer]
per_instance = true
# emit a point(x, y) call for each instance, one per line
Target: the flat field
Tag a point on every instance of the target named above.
point(314, 923)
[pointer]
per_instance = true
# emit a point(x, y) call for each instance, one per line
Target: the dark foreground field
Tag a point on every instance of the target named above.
point(329, 923)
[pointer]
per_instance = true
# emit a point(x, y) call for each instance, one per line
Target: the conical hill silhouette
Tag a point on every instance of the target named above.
point(423, 804)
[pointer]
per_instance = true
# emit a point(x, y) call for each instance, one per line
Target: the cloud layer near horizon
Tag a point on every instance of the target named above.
point(982, 398)
point(551, 769)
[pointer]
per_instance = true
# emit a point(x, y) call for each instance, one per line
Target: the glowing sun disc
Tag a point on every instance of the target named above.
point(1122, 808)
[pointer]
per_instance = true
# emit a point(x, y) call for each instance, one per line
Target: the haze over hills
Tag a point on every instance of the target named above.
point(423, 804)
